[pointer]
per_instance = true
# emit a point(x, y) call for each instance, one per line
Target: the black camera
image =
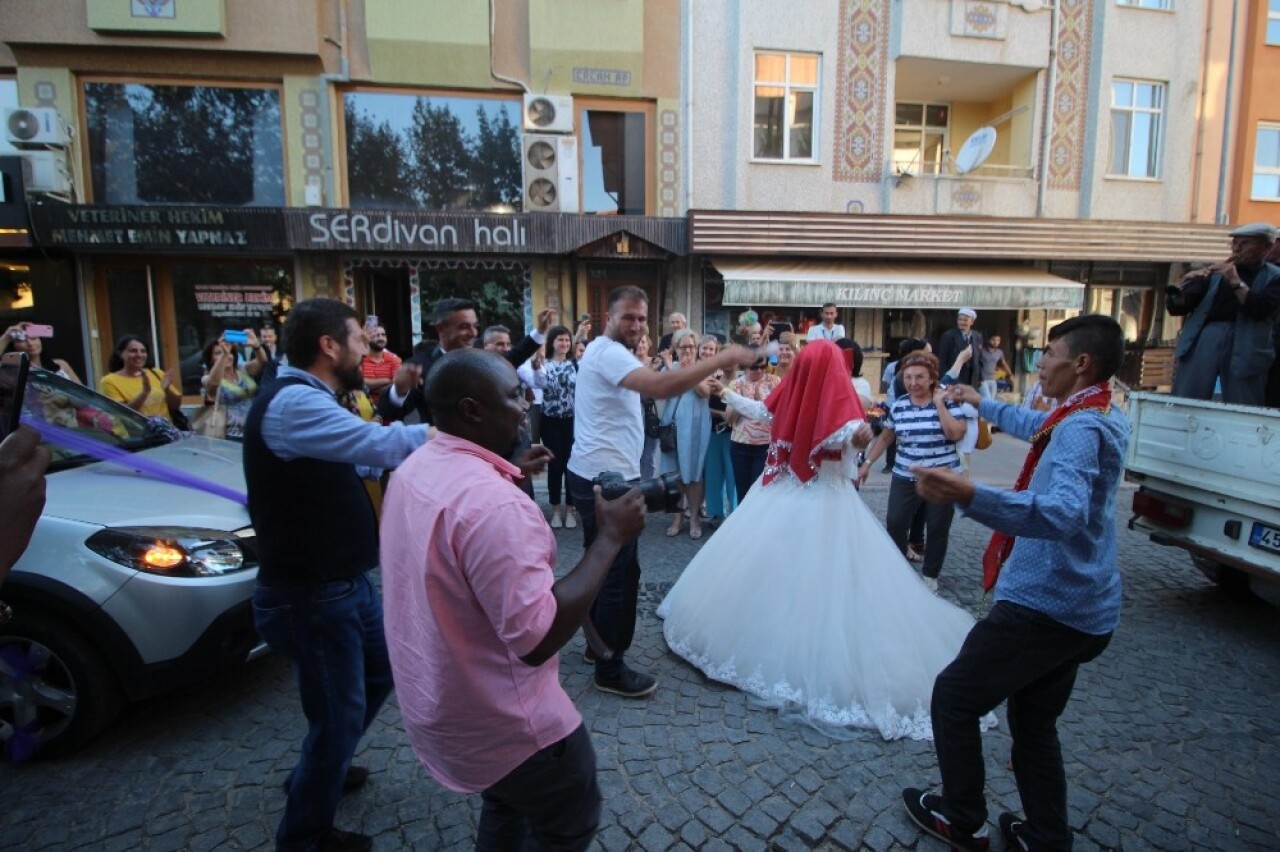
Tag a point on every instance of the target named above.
point(661, 494)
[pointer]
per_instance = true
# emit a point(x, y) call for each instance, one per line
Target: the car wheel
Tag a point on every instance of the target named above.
point(56, 692)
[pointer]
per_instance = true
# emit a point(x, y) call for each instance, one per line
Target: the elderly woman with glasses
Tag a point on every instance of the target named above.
point(749, 440)
point(691, 415)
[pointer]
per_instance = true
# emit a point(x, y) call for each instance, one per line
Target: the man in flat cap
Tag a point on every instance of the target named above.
point(1231, 309)
point(955, 340)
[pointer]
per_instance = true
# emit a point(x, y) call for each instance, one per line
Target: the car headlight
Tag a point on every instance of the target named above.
point(174, 551)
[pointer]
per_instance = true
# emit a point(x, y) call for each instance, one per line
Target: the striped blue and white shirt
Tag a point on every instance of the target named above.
point(917, 431)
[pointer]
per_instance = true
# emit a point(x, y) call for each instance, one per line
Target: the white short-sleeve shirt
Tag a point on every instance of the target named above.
point(821, 332)
point(608, 425)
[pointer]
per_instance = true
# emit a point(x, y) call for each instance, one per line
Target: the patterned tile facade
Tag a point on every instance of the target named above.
point(1070, 97)
point(669, 163)
point(863, 65)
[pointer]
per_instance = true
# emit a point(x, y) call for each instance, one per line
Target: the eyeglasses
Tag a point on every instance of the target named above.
point(686, 347)
point(756, 367)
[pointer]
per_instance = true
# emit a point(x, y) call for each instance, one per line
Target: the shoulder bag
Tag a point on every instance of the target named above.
point(211, 421)
point(667, 432)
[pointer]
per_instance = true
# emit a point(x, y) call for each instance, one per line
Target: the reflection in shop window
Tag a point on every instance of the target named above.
point(435, 153)
point(613, 162)
point(209, 298)
point(8, 101)
point(498, 289)
point(184, 144)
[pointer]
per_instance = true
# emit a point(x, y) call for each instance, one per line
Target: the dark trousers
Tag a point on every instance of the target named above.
point(614, 610)
point(557, 436)
point(1209, 361)
point(551, 801)
point(332, 633)
point(903, 504)
point(748, 463)
point(1021, 655)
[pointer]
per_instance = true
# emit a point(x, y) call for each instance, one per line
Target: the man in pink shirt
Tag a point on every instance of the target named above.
point(475, 616)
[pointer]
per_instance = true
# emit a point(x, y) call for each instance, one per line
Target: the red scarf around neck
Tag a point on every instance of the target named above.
point(1096, 398)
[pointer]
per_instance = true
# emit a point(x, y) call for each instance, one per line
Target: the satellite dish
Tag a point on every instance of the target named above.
point(975, 150)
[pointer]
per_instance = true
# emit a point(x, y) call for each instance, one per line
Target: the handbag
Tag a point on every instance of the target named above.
point(211, 421)
point(667, 432)
point(984, 435)
point(652, 422)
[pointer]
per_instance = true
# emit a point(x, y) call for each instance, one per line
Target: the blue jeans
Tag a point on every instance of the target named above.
point(722, 494)
point(332, 633)
point(1025, 657)
point(614, 610)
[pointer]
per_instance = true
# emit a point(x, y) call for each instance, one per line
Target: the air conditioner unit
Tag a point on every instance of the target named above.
point(35, 126)
point(45, 171)
point(548, 113)
point(550, 172)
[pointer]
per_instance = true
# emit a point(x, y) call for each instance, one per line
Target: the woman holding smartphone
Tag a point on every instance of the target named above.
point(28, 337)
point(227, 382)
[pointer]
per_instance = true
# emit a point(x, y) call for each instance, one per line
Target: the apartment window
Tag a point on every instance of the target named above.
point(920, 137)
point(615, 156)
point(1137, 111)
point(184, 144)
point(1146, 4)
point(1273, 21)
point(432, 152)
point(1266, 164)
point(786, 106)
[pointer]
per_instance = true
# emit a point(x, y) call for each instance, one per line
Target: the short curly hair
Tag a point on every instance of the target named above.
point(920, 358)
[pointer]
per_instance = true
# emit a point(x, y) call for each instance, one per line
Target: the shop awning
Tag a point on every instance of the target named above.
point(855, 284)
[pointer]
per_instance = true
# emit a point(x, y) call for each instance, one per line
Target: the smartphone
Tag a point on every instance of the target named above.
point(238, 337)
point(36, 330)
point(371, 322)
point(13, 384)
point(584, 318)
point(779, 326)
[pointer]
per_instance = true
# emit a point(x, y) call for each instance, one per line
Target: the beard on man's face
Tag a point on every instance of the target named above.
point(350, 377)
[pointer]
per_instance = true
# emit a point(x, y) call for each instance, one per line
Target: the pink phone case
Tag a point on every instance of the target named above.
point(37, 330)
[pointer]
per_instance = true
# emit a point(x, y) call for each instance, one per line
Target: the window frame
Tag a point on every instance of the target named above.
point(1157, 141)
point(1148, 5)
point(649, 109)
point(1261, 127)
point(788, 87)
point(918, 162)
point(82, 105)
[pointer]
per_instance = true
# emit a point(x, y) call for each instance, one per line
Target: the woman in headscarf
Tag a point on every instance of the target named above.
point(847, 635)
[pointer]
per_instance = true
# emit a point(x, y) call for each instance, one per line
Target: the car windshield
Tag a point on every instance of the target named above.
point(56, 400)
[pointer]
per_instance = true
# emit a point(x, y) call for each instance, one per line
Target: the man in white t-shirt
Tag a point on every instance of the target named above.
point(609, 436)
point(827, 329)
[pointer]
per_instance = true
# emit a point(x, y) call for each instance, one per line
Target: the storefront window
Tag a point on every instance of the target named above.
point(184, 145)
point(497, 288)
point(435, 153)
point(44, 291)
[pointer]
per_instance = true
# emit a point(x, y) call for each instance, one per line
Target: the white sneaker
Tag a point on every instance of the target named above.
point(571, 521)
point(930, 583)
point(555, 520)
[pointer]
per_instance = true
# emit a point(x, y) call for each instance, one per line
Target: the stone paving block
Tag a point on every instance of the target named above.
point(715, 818)
point(654, 838)
point(694, 834)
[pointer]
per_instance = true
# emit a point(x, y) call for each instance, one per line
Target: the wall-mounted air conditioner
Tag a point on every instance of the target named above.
point(550, 171)
point(45, 171)
point(548, 113)
point(35, 127)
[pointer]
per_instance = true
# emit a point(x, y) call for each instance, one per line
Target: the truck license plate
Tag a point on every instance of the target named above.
point(1264, 537)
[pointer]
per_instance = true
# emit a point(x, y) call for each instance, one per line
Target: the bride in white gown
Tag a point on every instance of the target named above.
point(801, 598)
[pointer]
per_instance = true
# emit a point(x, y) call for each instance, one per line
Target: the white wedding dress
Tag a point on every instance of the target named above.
point(802, 600)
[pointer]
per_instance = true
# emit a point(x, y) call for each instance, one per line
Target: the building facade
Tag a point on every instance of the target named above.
point(222, 159)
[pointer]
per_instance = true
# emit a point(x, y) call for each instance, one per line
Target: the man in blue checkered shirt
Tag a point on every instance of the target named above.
point(1057, 597)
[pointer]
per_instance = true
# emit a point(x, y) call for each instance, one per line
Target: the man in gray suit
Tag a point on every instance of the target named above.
point(1231, 309)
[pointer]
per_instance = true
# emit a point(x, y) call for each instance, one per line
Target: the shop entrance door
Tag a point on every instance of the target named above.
point(603, 278)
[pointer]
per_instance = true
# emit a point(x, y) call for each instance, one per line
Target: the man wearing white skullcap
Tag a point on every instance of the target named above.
point(954, 341)
point(1231, 309)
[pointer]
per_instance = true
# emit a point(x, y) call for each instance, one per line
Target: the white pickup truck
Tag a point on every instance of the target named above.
point(1209, 482)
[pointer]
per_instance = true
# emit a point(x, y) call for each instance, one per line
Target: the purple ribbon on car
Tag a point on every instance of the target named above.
point(74, 441)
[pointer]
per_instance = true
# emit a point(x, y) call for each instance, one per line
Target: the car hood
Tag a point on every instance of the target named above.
point(113, 496)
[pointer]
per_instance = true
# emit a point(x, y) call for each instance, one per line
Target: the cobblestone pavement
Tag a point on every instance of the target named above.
point(1170, 740)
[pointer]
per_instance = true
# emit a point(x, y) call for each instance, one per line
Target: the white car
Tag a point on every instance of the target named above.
point(132, 584)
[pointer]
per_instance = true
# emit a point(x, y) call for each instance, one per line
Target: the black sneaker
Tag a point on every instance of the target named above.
point(589, 655)
point(354, 779)
point(925, 810)
point(1011, 826)
point(342, 841)
point(629, 683)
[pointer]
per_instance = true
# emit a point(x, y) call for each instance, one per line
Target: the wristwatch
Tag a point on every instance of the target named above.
point(1240, 285)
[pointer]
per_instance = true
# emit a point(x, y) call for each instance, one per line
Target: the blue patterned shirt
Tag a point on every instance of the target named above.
point(1064, 562)
point(917, 432)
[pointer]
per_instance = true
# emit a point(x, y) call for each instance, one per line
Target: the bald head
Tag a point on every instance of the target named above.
point(475, 394)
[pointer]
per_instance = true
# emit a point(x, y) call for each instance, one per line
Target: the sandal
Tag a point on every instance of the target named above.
point(674, 529)
point(695, 532)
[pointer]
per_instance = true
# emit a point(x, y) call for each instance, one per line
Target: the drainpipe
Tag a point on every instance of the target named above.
point(1219, 214)
point(1046, 136)
point(344, 64)
point(493, 18)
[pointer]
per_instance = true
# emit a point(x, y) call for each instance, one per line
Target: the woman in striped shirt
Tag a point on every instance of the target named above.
point(924, 426)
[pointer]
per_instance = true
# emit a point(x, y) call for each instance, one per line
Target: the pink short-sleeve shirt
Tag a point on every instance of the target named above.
point(467, 570)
